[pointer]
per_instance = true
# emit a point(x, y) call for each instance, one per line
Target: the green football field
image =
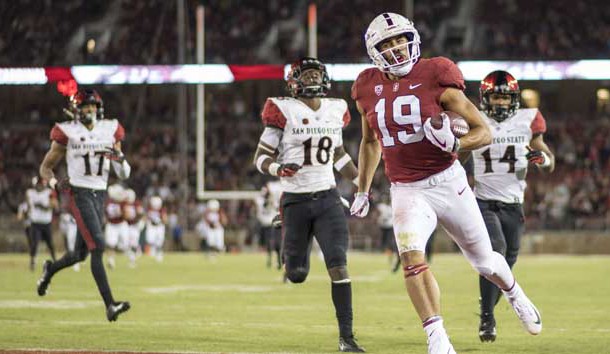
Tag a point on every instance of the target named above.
point(233, 303)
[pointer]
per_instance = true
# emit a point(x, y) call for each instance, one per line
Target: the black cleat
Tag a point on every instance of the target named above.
point(349, 345)
point(487, 328)
point(114, 310)
point(45, 279)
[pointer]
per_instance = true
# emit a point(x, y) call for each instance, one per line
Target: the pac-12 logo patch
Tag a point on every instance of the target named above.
point(378, 90)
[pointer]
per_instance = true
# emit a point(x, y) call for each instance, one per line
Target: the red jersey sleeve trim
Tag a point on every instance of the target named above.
point(272, 115)
point(538, 124)
point(119, 133)
point(347, 117)
point(58, 135)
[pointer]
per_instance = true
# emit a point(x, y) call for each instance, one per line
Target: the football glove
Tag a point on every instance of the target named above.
point(537, 157)
point(360, 206)
point(114, 154)
point(442, 138)
point(288, 169)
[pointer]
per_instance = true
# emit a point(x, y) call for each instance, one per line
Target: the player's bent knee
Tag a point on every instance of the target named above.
point(338, 274)
point(297, 275)
point(489, 266)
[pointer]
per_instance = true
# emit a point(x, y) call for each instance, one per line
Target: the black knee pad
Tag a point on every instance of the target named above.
point(297, 275)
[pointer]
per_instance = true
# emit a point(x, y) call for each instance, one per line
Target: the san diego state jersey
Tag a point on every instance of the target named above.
point(396, 111)
point(309, 139)
point(500, 168)
point(87, 167)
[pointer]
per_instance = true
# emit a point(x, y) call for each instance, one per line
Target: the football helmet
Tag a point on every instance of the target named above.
point(294, 79)
point(156, 202)
point(130, 196)
point(384, 27)
point(116, 192)
point(502, 82)
point(213, 205)
point(83, 97)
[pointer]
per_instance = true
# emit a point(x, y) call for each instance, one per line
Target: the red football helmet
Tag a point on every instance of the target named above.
point(501, 82)
point(298, 88)
point(83, 97)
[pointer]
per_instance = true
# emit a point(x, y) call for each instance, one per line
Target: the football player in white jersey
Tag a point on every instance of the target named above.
point(499, 171)
point(41, 200)
point(301, 143)
point(89, 144)
point(267, 208)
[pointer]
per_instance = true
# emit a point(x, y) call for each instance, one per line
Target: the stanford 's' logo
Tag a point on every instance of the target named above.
point(378, 90)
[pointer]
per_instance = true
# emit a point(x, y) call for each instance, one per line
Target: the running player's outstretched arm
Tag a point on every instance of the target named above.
point(479, 135)
point(369, 155)
point(55, 154)
point(345, 165)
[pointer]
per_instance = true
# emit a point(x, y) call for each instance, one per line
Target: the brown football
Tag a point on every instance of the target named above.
point(459, 126)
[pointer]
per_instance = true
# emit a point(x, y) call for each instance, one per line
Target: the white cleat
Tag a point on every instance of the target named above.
point(528, 313)
point(438, 343)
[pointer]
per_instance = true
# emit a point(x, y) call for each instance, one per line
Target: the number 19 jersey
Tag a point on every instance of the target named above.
point(87, 167)
point(309, 139)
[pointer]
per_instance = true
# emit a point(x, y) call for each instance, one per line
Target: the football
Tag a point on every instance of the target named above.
point(459, 126)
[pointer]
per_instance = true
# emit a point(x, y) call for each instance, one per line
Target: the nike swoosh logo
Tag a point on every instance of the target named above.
point(538, 321)
point(462, 191)
point(443, 144)
point(411, 87)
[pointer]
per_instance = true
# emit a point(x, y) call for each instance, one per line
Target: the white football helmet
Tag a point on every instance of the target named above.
point(116, 192)
point(156, 202)
point(213, 205)
point(384, 27)
point(130, 196)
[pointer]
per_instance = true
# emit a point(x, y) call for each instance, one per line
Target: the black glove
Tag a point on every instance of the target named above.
point(114, 154)
point(288, 169)
point(535, 156)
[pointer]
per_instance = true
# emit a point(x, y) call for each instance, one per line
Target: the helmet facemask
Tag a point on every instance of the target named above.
point(299, 88)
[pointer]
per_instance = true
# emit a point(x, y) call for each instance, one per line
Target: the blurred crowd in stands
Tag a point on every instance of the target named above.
point(38, 33)
point(49, 33)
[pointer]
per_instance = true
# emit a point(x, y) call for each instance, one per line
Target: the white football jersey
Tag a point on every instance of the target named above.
point(87, 167)
point(267, 206)
point(500, 168)
point(39, 204)
point(384, 218)
point(309, 139)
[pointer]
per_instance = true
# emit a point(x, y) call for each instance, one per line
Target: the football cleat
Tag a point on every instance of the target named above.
point(487, 328)
point(349, 345)
point(45, 279)
point(528, 313)
point(114, 310)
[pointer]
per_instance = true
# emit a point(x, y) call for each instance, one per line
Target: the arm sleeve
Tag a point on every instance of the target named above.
point(538, 124)
point(272, 115)
point(271, 136)
point(119, 134)
point(121, 169)
point(58, 135)
point(449, 75)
